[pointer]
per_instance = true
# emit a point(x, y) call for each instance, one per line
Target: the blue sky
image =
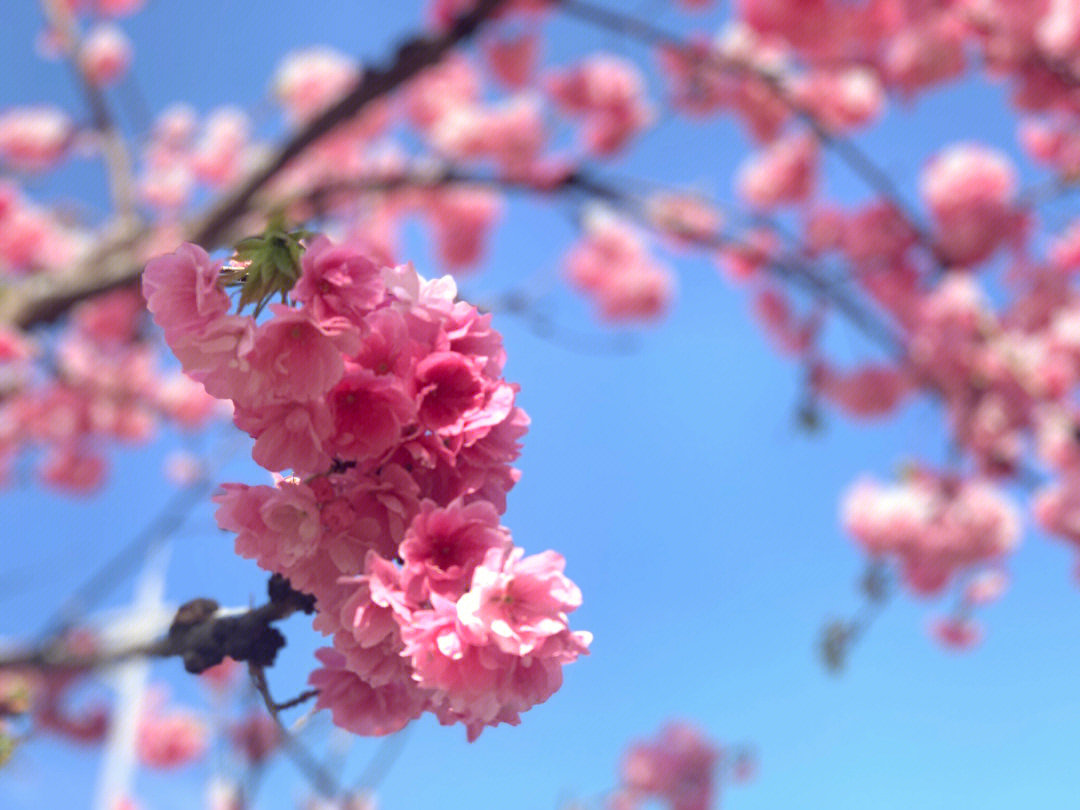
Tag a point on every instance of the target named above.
point(699, 523)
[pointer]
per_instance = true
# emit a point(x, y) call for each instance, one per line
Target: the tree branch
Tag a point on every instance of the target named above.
point(39, 300)
point(202, 634)
point(853, 156)
point(114, 148)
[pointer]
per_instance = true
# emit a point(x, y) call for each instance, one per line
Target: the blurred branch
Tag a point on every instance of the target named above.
point(852, 155)
point(792, 269)
point(156, 531)
point(39, 300)
point(114, 148)
point(161, 527)
point(838, 637)
point(319, 777)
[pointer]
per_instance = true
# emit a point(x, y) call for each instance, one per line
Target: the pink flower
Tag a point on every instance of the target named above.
point(642, 293)
point(296, 357)
point(218, 157)
point(112, 318)
point(106, 54)
point(687, 219)
point(451, 84)
point(338, 280)
point(291, 435)
point(695, 85)
point(308, 81)
point(385, 344)
point(448, 385)
point(182, 292)
point(956, 633)
point(511, 134)
point(73, 468)
point(1058, 33)
point(462, 219)
point(923, 55)
point(370, 412)
point(969, 190)
point(442, 547)
point(118, 8)
point(221, 677)
point(841, 100)
point(239, 511)
point(608, 94)
point(357, 707)
point(935, 525)
point(34, 138)
point(783, 173)
point(678, 767)
point(366, 511)
point(217, 355)
point(791, 334)
point(612, 264)
point(175, 126)
point(512, 60)
point(518, 603)
point(1064, 251)
point(170, 740)
point(867, 392)
point(291, 513)
point(184, 400)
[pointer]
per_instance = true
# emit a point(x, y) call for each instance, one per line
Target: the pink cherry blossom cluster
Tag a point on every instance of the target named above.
point(608, 95)
point(106, 386)
point(183, 154)
point(1004, 369)
point(801, 78)
point(33, 139)
point(168, 737)
point(383, 395)
point(936, 526)
point(680, 768)
point(611, 264)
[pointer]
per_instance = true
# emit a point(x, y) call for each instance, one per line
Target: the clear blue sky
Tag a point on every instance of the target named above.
point(700, 525)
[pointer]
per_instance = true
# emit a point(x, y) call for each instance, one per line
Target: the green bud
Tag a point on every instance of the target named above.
point(267, 265)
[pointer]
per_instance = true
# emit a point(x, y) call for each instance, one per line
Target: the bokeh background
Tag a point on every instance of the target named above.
point(665, 464)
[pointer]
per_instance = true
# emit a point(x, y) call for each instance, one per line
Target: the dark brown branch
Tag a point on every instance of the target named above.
point(299, 700)
point(412, 57)
point(201, 634)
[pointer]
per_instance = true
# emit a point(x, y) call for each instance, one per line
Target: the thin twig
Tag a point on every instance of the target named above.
point(300, 699)
point(384, 759)
point(320, 778)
